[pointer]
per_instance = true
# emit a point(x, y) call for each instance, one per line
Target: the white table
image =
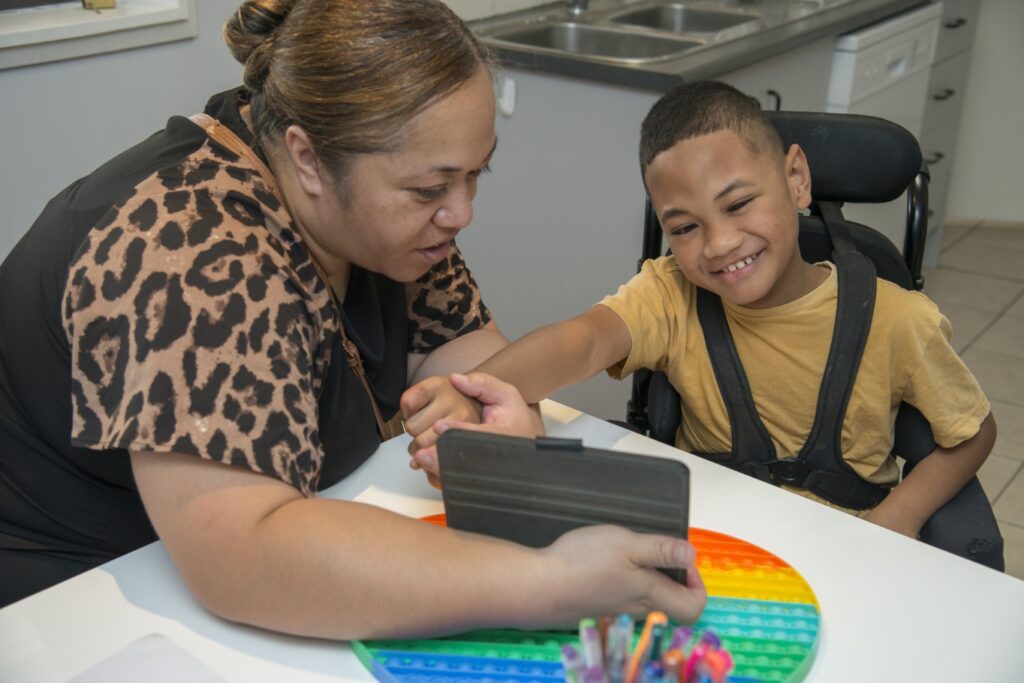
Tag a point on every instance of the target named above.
point(892, 609)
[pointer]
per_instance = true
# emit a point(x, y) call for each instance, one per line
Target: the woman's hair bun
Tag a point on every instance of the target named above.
point(249, 34)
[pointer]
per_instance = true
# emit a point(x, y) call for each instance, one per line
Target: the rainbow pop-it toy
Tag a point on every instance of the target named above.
point(762, 609)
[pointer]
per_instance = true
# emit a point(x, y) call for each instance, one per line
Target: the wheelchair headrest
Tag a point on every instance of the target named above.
point(853, 158)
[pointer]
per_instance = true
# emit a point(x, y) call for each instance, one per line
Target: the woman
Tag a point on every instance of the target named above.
point(218, 320)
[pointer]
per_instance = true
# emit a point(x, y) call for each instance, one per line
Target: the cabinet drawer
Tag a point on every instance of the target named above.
point(956, 30)
point(938, 195)
point(946, 88)
point(938, 146)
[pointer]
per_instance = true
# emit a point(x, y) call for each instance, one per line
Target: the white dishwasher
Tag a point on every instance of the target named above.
point(883, 70)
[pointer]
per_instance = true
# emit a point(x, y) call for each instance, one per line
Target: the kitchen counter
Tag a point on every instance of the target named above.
point(785, 25)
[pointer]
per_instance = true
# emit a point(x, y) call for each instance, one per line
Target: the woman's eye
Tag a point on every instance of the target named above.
point(480, 171)
point(430, 193)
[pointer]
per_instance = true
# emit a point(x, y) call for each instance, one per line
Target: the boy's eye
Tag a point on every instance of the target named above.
point(740, 204)
point(682, 229)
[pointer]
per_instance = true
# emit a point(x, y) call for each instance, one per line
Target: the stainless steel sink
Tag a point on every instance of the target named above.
point(595, 42)
point(678, 17)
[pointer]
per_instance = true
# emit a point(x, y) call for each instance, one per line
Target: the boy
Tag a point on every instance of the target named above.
point(728, 195)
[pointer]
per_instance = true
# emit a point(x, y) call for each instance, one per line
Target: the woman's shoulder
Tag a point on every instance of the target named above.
point(206, 235)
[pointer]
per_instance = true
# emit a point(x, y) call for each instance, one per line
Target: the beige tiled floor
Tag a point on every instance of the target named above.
point(979, 285)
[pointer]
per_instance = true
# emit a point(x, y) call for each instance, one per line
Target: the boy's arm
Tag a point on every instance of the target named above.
point(563, 354)
point(933, 482)
point(539, 364)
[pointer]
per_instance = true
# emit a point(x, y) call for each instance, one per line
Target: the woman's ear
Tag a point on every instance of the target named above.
point(304, 161)
point(798, 176)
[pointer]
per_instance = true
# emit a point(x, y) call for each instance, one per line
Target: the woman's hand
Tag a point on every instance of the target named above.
point(609, 569)
point(504, 412)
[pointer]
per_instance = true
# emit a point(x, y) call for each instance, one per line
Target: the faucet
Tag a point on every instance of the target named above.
point(577, 7)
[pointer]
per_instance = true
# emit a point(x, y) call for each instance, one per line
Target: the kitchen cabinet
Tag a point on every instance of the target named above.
point(794, 81)
point(946, 89)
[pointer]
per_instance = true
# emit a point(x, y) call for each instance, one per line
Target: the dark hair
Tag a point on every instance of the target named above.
point(702, 107)
point(350, 73)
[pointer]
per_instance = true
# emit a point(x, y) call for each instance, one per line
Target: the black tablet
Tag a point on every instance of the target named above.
point(534, 490)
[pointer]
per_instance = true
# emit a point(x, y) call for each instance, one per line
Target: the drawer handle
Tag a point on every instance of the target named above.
point(944, 94)
point(934, 158)
point(956, 23)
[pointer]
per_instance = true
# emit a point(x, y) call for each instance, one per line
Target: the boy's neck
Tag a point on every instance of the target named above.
point(798, 281)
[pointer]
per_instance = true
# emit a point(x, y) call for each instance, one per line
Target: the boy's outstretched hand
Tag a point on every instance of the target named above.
point(476, 402)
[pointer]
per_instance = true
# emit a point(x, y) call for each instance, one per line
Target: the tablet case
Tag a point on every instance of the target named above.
point(531, 491)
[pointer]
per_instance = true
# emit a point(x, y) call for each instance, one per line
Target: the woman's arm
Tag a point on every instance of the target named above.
point(254, 551)
point(458, 355)
point(933, 482)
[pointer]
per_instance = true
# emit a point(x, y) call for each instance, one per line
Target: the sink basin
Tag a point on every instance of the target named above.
point(598, 42)
point(680, 18)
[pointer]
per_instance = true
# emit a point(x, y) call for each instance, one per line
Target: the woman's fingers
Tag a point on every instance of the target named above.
point(616, 570)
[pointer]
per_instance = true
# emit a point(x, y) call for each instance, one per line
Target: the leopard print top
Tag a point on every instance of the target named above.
point(197, 323)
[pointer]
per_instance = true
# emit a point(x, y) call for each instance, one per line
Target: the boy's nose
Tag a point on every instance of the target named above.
point(721, 241)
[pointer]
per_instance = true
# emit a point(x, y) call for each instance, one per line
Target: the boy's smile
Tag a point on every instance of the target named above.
point(730, 215)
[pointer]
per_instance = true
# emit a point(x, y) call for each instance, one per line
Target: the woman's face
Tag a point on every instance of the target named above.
point(396, 213)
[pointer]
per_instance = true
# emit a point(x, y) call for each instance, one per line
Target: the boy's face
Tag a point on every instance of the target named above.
point(730, 216)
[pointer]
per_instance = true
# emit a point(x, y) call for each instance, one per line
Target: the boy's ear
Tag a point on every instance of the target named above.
point(304, 160)
point(798, 176)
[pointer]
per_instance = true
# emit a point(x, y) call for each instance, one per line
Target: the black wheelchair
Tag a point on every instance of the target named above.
point(857, 159)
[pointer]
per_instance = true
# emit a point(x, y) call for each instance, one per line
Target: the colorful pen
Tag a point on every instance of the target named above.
point(636, 663)
point(572, 664)
point(617, 645)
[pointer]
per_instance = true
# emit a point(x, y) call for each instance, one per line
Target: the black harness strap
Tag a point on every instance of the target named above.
point(819, 467)
point(749, 436)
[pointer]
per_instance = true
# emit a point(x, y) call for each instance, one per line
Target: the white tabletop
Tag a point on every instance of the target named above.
point(892, 609)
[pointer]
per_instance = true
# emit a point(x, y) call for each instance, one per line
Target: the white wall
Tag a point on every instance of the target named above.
point(989, 162)
point(60, 120)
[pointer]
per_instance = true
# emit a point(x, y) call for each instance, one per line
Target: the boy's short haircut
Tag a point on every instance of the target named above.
point(702, 107)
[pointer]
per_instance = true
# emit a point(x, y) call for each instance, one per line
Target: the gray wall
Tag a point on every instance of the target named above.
point(559, 220)
point(58, 121)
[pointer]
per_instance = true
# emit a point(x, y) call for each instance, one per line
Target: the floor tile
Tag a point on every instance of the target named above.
point(967, 323)
point(990, 223)
point(1001, 236)
point(1002, 377)
point(1017, 309)
point(1010, 426)
point(1013, 548)
point(984, 260)
point(1009, 506)
point(1005, 336)
point(996, 473)
point(954, 231)
point(953, 288)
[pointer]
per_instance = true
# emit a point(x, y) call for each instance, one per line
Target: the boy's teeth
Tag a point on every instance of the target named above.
point(731, 268)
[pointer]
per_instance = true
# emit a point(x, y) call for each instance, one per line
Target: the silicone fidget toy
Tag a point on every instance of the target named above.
point(762, 609)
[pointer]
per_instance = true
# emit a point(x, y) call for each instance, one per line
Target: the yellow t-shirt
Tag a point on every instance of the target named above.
point(783, 349)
